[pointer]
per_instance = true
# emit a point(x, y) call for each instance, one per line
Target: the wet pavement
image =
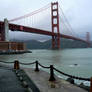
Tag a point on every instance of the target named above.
point(37, 82)
point(9, 82)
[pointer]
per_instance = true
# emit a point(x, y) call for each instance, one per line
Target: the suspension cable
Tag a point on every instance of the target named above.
point(68, 22)
point(66, 26)
point(31, 14)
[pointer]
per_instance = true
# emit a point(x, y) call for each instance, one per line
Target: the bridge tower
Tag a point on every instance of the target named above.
point(4, 31)
point(88, 38)
point(55, 25)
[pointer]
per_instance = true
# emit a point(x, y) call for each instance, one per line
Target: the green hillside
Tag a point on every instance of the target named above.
point(33, 44)
point(65, 43)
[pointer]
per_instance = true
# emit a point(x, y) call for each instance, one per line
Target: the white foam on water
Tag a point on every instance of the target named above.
point(87, 83)
point(74, 65)
point(60, 77)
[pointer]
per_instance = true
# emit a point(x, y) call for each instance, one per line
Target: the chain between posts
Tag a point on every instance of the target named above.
point(6, 62)
point(43, 66)
point(51, 69)
point(80, 78)
point(52, 78)
point(27, 63)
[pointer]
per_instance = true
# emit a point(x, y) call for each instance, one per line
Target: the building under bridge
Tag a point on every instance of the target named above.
point(5, 44)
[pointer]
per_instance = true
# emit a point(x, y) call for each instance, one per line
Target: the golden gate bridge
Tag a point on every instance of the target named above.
point(57, 25)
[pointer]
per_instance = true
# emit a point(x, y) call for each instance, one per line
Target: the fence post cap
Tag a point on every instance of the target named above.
point(36, 61)
point(51, 65)
point(16, 60)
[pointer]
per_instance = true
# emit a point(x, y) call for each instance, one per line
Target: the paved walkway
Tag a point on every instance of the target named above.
point(9, 82)
point(41, 80)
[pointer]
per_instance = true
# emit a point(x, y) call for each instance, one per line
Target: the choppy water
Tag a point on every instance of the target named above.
point(63, 59)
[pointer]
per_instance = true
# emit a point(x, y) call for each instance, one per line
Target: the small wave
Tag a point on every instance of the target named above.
point(60, 76)
point(74, 65)
point(71, 65)
point(87, 83)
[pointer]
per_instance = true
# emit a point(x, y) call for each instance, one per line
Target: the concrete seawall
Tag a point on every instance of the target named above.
point(14, 52)
point(41, 81)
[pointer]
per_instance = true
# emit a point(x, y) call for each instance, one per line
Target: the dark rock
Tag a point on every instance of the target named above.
point(70, 80)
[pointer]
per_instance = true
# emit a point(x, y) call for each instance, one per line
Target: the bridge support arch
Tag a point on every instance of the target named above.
point(55, 25)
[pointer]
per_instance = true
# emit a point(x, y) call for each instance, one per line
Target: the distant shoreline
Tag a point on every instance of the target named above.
point(15, 52)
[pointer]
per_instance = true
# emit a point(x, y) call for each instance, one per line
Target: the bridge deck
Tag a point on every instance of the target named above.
point(41, 81)
point(15, 27)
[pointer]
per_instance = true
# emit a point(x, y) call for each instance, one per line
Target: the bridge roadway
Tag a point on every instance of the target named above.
point(15, 27)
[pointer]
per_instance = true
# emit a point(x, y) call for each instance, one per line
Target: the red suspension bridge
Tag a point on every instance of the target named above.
point(56, 26)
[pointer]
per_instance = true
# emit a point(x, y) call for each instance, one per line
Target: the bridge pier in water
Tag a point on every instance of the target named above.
point(55, 25)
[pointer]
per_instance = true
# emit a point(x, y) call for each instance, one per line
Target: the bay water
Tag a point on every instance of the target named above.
point(77, 62)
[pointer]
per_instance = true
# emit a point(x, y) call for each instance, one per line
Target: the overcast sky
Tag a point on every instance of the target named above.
point(78, 13)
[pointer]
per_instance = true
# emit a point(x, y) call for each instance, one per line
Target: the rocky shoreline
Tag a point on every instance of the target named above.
point(14, 52)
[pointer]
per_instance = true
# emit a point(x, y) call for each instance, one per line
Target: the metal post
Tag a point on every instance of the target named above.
point(37, 68)
point(91, 84)
point(16, 64)
point(52, 78)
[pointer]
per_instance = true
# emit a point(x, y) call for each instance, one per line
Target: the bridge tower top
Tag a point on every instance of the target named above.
point(55, 25)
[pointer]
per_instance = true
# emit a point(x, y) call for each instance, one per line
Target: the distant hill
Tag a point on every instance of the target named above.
point(65, 43)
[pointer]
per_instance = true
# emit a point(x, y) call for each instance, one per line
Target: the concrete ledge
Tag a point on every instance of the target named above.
point(14, 52)
point(41, 80)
